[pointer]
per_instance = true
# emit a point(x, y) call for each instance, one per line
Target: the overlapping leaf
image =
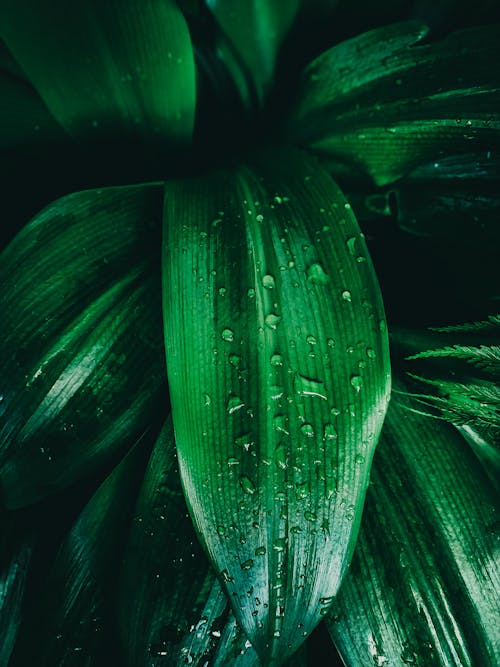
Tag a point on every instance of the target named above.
point(107, 69)
point(457, 197)
point(171, 607)
point(385, 101)
point(81, 367)
point(457, 370)
point(70, 625)
point(423, 585)
point(16, 549)
point(278, 373)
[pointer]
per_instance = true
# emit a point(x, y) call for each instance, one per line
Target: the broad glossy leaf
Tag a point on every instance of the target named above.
point(70, 625)
point(456, 197)
point(457, 374)
point(256, 30)
point(423, 584)
point(107, 69)
point(386, 101)
point(16, 548)
point(278, 373)
point(81, 367)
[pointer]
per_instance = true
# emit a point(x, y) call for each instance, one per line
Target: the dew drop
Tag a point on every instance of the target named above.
point(359, 458)
point(272, 321)
point(234, 404)
point(356, 382)
point(370, 353)
point(247, 565)
point(227, 577)
point(307, 430)
point(251, 293)
point(232, 461)
point(316, 275)
point(330, 432)
point(268, 281)
point(306, 386)
point(259, 217)
point(276, 360)
point(247, 485)
point(244, 441)
point(227, 335)
point(260, 551)
point(311, 340)
point(309, 516)
point(221, 530)
point(330, 342)
point(351, 245)
point(346, 295)
point(279, 544)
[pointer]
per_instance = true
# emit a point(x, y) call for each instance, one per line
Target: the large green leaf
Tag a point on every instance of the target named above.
point(107, 69)
point(385, 101)
point(81, 367)
point(423, 584)
point(70, 624)
point(457, 375)
point(278, 372)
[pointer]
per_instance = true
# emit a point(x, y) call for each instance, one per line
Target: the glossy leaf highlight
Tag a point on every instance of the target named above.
point(81, 367)
point(386, 101)
point(423, 584)
point(278, 372)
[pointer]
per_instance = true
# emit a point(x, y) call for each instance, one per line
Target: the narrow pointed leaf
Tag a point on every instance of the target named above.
point(256, 30)
point(385, 101)
point(81, 367)
point(278, 373)
point(70, 624)
point(16, 549)
point(423, 585)
point(119, 69)
point(457, 377)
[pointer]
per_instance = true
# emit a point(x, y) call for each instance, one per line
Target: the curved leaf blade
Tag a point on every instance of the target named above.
point(386, 102)
point(79, 290)
point(114, 69)
point(278, 371)
point(171, 607)
point(423, 585)
point(71, 624)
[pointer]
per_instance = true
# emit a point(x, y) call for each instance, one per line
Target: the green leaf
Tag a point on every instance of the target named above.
point(278, 372)
point(256, 30)
point(70, 624)
point(16, 549)
point(423, 584)
point(457, 375)
point(81, 362)
point(171, 607)
point(113, 69)
point(385, 101)
point(454, 197)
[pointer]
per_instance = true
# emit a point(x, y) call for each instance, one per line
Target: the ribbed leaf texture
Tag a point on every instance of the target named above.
point(278, 372)
point(81, 362)
point(107, 69)
point(386, 101)
point(423, 584)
